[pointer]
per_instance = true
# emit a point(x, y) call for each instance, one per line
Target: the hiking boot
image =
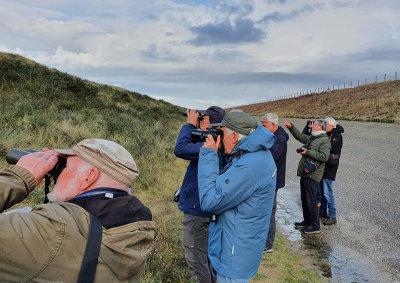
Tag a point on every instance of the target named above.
point(330, 221)
point(300, 225)
point(268, 251)
point(311, 230)
point(323, 215)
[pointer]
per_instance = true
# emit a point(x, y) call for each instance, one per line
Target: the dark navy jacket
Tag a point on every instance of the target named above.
point(279, 150)
point(186, 149)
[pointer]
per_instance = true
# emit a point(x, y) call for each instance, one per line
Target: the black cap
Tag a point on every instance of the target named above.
point(216, 114)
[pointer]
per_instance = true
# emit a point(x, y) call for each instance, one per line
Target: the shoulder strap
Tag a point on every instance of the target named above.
point(92, 251)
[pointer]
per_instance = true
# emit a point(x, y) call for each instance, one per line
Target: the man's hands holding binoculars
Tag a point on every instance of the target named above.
point(39, 163)
point(211, 143)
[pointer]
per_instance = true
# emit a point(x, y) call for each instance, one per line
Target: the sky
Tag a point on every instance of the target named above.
point(201, 53)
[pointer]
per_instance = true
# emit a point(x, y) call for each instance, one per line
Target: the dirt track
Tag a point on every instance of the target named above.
point(365, 244)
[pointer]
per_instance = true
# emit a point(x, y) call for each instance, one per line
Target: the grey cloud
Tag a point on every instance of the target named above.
point(233, 9)
point(242, 30)
point(280, 17)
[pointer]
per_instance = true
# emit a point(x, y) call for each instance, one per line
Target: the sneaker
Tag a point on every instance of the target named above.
point(330, 221)
point(268, 251)
point(311, 230)
point(300, 225)
point(323, 215)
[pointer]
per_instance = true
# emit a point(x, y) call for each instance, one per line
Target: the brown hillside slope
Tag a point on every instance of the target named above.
point(372, 102)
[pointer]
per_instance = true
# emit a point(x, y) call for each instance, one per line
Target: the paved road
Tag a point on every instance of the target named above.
point(365, 245)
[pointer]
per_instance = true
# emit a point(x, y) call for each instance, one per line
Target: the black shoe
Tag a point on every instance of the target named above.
point(300, 225)
point(311, 230)
point(323, 215)
point(330, 221)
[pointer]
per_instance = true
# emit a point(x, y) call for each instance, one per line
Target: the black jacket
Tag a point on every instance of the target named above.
point(332, 165)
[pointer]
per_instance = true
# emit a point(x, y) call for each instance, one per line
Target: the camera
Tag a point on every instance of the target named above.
point(201, 136)
point(201, 115)
point(15, 154)
point(300, 149)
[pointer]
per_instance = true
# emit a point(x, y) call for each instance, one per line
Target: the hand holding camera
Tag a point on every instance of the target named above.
point(303, 150)
point(211, 143)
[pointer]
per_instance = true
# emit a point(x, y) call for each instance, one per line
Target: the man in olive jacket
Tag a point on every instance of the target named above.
point(315, 153)
point(47, 244)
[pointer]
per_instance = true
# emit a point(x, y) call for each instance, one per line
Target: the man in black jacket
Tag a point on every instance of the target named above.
point(334, 132)
point(270, 121)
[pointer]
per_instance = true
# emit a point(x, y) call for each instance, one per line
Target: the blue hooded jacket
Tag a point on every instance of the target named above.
point(242, 196)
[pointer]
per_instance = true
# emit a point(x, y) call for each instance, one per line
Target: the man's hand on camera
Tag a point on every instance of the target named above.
point(210, 142)
point(287, 124)
point(38, 164)
point(304, 152)
point(192, 116)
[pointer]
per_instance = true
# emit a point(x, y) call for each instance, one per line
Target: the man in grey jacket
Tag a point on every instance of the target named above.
point(314, 152)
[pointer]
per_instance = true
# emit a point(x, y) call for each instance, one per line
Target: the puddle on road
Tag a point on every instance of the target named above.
point(333, 266)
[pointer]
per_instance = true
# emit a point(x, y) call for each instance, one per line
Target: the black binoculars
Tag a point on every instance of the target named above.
point(15, 154)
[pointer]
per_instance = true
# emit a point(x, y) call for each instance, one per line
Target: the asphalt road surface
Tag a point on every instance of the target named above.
point(365, 244)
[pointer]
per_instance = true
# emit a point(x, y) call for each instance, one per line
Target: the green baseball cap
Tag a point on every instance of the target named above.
point(239, 122)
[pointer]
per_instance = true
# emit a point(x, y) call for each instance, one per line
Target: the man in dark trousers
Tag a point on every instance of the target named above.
point(334, 132)
point(314, 152)
point(195, 221)
point(270, 121)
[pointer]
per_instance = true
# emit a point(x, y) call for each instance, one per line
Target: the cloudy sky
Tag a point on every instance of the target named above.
point(201, 53)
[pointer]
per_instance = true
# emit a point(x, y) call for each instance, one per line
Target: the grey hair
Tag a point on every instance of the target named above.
point(331, 121)
point(322, 123)
point(271, 118)
point(230, 132)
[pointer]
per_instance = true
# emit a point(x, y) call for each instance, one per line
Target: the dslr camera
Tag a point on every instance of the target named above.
point(201, 136)
point(300, 149)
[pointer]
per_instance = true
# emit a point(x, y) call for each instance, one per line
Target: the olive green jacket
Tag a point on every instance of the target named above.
point(48, 243)
point(319, 151)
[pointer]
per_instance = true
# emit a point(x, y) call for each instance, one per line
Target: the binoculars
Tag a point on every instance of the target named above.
point(15, 154)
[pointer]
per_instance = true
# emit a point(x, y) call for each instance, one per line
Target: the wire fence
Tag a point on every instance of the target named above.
point(329, 88)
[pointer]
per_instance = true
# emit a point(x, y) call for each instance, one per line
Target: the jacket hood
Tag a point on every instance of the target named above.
point(260, 139)
point(281, 132)
point(339, 129)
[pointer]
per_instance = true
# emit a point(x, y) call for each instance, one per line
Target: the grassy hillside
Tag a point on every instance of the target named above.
point(372, 102)
point(43, 107)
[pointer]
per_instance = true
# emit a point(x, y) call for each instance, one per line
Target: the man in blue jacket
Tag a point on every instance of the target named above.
point(195, 220)
point(270, 121)
point(242, 196)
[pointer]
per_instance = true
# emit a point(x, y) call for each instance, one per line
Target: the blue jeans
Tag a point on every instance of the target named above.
point(326, 198)
point(223, 279)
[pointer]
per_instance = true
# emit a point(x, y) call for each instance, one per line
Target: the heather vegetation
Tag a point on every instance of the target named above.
point(43, 107)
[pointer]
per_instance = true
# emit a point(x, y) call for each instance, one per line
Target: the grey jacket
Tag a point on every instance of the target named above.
point(320, 147)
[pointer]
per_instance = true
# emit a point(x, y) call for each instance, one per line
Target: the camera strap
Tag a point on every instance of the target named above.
point(47, 182)
point(92, 251)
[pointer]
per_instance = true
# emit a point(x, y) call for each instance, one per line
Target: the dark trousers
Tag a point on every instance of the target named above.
point(195, 241)
point(272, 226)
point(308, 190)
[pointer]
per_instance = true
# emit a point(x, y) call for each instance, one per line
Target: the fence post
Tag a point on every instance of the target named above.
point(384, 78)
point(376, 79)
point(333, 87)
point(358, 82)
